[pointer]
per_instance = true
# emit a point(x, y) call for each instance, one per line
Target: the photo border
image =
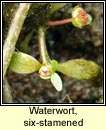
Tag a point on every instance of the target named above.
point(54, 104)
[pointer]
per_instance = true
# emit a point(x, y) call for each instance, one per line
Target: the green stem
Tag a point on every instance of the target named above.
point(13, 34)
point(42, 45)
point(7, 96)
point(55, 7)
point(24, 44)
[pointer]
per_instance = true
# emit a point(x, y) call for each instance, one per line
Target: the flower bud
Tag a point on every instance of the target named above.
point(45, 71)
point(79, 17)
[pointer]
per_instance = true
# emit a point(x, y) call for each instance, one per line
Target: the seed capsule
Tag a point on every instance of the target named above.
point(80, 17)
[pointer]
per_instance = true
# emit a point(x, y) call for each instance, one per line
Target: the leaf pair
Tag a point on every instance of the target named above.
point(78, 68)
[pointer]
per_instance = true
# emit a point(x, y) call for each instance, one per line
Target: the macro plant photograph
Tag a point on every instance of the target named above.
point(52, 53)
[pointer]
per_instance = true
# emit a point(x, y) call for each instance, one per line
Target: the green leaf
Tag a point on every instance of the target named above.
point(54, 64)
point(23, 63)
point(25, 42)
point(79, 68)
point(56, 81)
point(55, 7)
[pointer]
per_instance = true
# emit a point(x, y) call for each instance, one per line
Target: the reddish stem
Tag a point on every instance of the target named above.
point(60, 22)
